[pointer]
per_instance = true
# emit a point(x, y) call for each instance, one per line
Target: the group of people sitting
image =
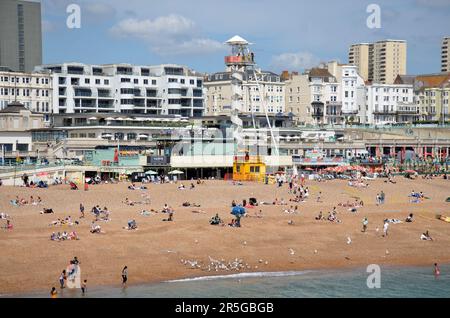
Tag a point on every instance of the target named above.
point(47, 211)
point(100, 214)
point(64, 236)
point(292, 210)
point(416, 197)
point(182, 187)
point(66, 221)
point(8, 225)
point(332, 216)
point(22, 201)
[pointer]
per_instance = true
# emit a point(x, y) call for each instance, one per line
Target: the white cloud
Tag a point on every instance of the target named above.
point(294, 61)
point(172, 34)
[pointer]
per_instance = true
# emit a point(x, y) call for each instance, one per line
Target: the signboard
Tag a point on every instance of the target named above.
point(158, 160)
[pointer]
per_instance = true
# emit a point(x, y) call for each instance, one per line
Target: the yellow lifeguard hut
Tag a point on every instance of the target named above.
point(249, 168)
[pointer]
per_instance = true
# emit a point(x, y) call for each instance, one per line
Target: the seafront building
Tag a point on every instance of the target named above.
point(33, 90)
point(128, 89)
point(379, 62)
point(20, 35)
point(431, 95)
point(219, 93)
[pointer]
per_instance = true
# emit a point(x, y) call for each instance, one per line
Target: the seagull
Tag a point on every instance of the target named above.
point(291, 251)
point(315, 251)
point(349, 240)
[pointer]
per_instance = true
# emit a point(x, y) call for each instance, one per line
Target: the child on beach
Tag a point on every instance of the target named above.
point(124, 275)
point(365, 222)
point(84, 287)
point(53, 293)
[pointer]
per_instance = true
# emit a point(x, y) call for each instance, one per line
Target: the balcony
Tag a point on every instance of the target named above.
point(384, 112)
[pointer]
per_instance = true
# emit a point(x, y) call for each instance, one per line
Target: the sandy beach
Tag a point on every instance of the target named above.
point(31, 261)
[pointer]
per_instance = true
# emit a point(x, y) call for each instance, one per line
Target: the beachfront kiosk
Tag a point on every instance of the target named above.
point(249, 168)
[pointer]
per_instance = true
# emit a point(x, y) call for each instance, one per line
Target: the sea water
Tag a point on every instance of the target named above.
point(408, 282)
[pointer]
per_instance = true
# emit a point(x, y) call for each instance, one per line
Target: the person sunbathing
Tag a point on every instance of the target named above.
point(181, 187)
point(129, 202)
point(409, 219)
point(47, 211)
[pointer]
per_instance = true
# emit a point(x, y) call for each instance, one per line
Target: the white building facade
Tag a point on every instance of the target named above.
point(33, 90)
point(271, 96)
point(125, 88)
point(390, 104)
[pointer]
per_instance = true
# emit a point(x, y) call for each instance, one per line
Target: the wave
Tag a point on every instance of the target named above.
point(241, 275)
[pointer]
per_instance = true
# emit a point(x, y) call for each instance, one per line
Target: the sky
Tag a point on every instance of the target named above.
point(286, 34)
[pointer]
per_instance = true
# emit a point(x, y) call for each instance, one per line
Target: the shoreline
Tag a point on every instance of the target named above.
point(235, 276)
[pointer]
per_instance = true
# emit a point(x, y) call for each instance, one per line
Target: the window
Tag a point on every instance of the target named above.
point(173, 80)
point(87, 81)
point(192, 82)
point(97, 82)
point(146, 82)
point(136, 81)
point(106, 82)
point(153, 82)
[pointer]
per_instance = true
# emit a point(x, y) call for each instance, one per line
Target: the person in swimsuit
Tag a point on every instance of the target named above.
point(437, 272)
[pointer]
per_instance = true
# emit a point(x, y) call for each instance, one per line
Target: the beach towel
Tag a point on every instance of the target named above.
point(13, 202)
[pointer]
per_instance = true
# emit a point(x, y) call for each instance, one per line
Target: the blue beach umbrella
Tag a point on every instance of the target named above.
point(238, 210)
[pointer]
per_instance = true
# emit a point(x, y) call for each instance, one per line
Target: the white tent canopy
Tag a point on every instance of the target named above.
point(176, 172)
point(151, 172)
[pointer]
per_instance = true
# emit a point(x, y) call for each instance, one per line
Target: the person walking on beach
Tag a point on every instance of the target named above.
point(82, 211)
point(319, 197)
point(84, 287)
point(365, 222)
point(124, 275)
point(382, 197)
point(62, 279)
point(385, 228)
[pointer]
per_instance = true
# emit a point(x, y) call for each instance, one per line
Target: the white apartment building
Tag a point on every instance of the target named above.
point(33, 90)
point(124, 88)
point(390, 104)
point(352, 92)
point(272, 97)
point(326, 105)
